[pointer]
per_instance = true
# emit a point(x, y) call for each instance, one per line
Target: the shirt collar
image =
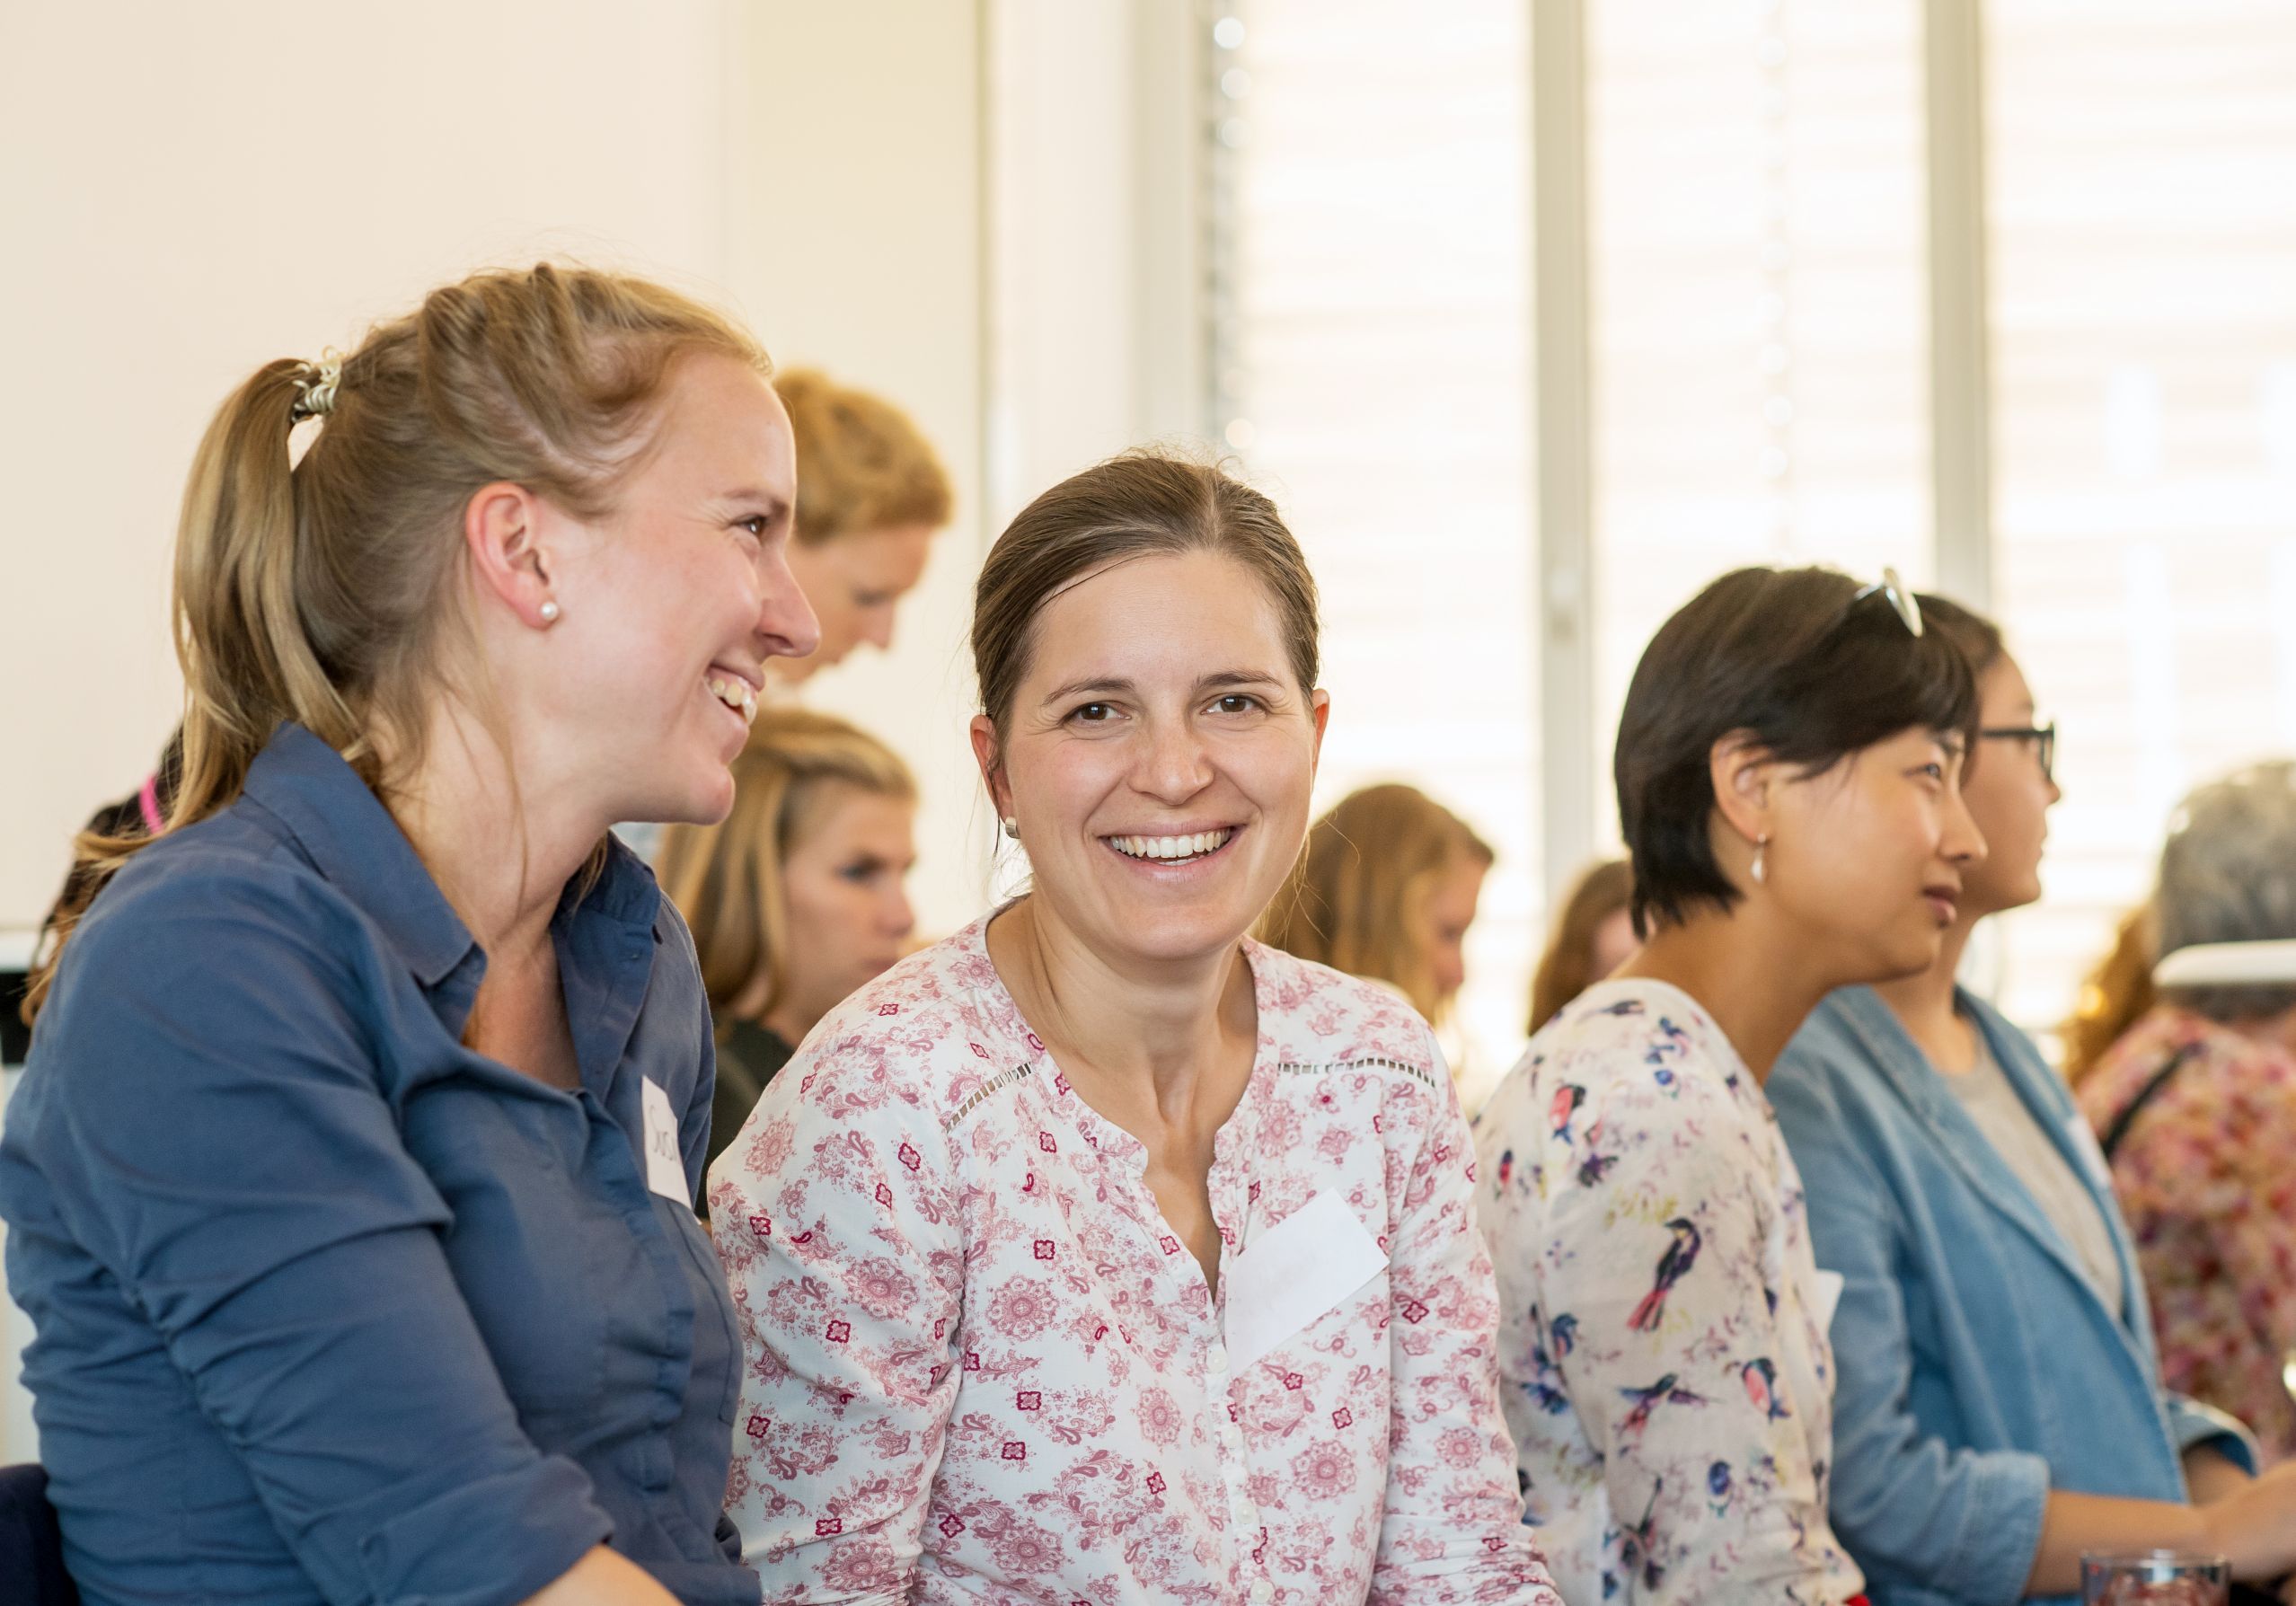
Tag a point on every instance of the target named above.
point(352, 841)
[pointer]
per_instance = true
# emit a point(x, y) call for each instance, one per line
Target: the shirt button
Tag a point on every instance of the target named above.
point(1231, 1436)
point(1216, 1359)
point(1262, 1590)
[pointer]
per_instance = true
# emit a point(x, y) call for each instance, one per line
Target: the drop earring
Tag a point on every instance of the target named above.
point(548, 612)
point(1012, 829)
point(1761, 871)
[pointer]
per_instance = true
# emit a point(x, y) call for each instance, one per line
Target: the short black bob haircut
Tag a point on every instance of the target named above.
point(1796, 657)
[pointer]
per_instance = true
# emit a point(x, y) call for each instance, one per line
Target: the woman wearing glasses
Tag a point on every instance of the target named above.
point(1788, 765)
point(1998, 1406)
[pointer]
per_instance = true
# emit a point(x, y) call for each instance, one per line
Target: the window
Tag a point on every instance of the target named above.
point(1760, 271)
point(1373, 370)
point(2143, 263)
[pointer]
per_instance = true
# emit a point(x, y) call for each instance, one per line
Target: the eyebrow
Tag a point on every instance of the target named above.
point(1216, 680)
point(749, 495)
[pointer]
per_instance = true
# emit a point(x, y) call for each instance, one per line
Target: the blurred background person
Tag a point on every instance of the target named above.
point(2114, 995)
point(797, 896)
point(871, 495)
point(1386, 890)
point(1997, 1403)
point(2195, 1105)
point(1594, 935)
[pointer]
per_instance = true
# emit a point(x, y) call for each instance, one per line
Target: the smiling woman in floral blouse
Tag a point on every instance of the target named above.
point(1098, 1253)
point(1788, 766)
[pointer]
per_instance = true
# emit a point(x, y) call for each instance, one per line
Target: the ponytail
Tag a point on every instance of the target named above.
point(324, 591)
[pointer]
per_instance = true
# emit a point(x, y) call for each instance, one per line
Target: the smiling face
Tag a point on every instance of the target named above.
point(1867, 859)
point(849, 915)
point(671, 604)
point(2009, 796)
point(855, 583)
point(1158, 757)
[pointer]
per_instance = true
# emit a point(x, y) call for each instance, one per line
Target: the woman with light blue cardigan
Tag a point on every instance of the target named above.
point(1998, 1408)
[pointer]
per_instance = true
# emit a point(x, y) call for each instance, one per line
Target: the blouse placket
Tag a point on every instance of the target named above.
point(1123, 1160)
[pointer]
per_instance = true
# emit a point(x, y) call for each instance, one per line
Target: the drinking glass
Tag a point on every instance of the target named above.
point(2155, 1578)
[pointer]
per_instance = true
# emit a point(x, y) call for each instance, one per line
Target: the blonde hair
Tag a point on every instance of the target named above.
point(725, 878)
point(1567, 969)
point(1357, 897)
point(324, 591)
point(862, 465)
point(2115, 996)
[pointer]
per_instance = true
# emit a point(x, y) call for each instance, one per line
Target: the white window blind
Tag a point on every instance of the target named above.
point(1758, 347)
point(2143, 200)
point(1373, 173)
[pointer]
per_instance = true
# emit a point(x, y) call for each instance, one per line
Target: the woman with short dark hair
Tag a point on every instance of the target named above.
point(1789, 776)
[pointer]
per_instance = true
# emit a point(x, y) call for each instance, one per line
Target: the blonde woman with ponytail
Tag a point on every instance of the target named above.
point(348, 1181)
point(797, 898)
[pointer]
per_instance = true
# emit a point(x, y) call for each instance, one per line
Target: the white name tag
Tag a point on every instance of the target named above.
point(1293, 1273)
point(664, 1166)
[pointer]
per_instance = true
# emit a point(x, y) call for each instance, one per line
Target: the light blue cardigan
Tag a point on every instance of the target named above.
point(1976, 1368)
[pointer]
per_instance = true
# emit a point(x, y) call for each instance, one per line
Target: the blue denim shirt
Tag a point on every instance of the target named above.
point(1976, 1367)
point(330, 1307)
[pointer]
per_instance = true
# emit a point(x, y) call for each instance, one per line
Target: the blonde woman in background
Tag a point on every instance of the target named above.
point(1594, 935)
point(798, 897)
point(871, 494)
point(1386, 890)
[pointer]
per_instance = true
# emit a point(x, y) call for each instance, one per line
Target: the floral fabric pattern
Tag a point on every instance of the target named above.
point(1663, 1352)
point(2205, 1183)
point(981, 1368)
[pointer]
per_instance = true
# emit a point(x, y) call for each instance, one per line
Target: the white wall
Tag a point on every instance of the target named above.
point(214, 187)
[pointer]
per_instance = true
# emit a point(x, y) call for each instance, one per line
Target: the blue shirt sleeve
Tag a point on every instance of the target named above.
point(1962, 1522)
point(220, 1140)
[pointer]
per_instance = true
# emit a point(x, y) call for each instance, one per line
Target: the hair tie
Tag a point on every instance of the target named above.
point(147, 804)
point(316, 390)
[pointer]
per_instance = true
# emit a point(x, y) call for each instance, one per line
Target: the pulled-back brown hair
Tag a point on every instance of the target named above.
point(324, 591)
point(1567, 969)
point(1141, 504)
point(862, 464)
point(1356, 899)
point(725, 878)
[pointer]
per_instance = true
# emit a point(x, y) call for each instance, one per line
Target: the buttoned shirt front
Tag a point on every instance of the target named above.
point(329, 1306)
point(984, 1368)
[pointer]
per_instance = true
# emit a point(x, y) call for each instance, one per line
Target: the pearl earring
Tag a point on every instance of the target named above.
point(548, 612)
point(1761, 872)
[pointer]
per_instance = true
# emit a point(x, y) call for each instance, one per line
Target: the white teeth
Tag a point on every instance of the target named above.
point(1166, 848)
point(736, 694)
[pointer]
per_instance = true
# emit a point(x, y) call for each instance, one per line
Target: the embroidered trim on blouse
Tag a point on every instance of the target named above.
point(1293, 1068)
point(994, 1084)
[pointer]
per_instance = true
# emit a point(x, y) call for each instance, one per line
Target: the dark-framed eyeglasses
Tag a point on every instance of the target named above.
point(2041, 738)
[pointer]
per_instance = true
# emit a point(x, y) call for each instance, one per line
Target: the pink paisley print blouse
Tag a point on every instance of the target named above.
point(2206, 1184)
point(983, 1369)
point(1663, 1344)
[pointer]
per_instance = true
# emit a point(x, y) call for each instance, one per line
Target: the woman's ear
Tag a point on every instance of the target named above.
point(990, 756)
point(1744, 772)
point(502, 530)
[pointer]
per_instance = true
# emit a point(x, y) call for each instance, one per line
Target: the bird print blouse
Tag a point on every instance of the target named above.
point(2203, 1178)
point(1663, 1353)
point(983, 1368)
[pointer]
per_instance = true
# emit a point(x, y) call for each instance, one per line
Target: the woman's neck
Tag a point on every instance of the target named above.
point(1924, 1003)
point(1755, 980)
point(1161, 1023)
point(501, 844)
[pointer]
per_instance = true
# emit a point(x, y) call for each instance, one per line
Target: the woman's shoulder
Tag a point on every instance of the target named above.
point(1314, 1017)
point(926, 1036)
point(1629, 1053)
